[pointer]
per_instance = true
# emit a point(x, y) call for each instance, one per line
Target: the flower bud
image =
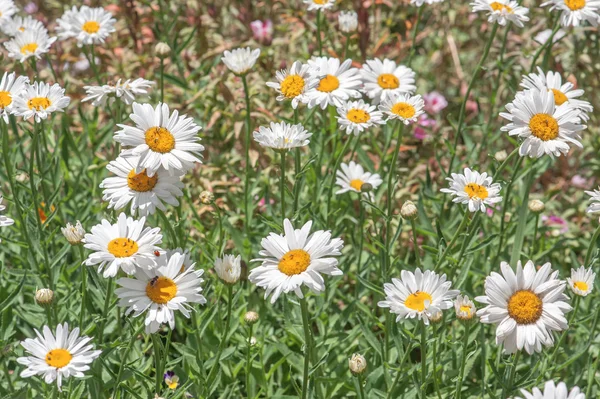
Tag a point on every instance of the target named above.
point(464, 307)
point(73, 234)
point(348, 21)
point(162, 49)
point(206, 197)
point(409, 210)
point(44, 297)
point(253, 341)
point(229, 268)
point(501, 156)
point(536, 206)
point(366, 187)
point(436, 317)
point(357, 363)
point(251, 317)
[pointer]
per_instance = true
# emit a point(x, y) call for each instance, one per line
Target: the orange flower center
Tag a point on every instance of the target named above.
point(294, 262)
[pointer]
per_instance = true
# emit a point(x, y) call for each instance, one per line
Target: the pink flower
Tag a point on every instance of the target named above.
point(435, 102)
point(262, 31)
point(423, 122)
point(30, 8)
point(579, 181)
point(420, 133)
point(262, 203)
point(559, 224)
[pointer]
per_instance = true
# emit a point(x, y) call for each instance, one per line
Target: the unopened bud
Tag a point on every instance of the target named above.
point(162, 49)
point(501, 156)
point(436, 317)
point(507, 217)
point(366, 187)
point(409, 210)
point(357, 363)
point(251, 317)
point(253, 341)
point(44, 297)
point(536, 206)
point(206, 197)
point(73, 234)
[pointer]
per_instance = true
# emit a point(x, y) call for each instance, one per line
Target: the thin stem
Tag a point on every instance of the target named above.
point(461, 227)
point(282, 183)
point(223, 342)
point(319, 41)
point(520, 233)
point(117, 392)
point(346, 45)
point(549, 43)
point(535, 232)
point(93, 63)
point(83, 287)
point(423, 360)
point(390, 195)
point(415, 243)
point(465, 345)
point(361, 223)
point(307, 346)
point(109, 291)
point(564, 333)
point(162, 79)
point(247, 157)
point(338, 160)
point(361, 389)
point(157, 361)
point(511, 376)
point(591, 247)
point(248, 360)
point(413, 45)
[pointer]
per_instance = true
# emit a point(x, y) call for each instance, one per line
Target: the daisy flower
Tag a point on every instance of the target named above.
point(527, 305)
point(352, 177)
point(294, 259)
point(552, 391)
point(73, 233)
point(130, 89)
point(241, 60)
point(419, 3)
point(31, 43)
point(11, 87)
point(464, 307)
point(338, 82)
point(57, 356)
point(419, 294)
point(160, 291)
point(18, 24)
point(319, 4)
point(404, 107)
point(594, 206)
point(87, 25)
point(575, 12)
point(384, 78)
point(125, 245)
point(98, 94)
point(348, 21)
point(563, 93)
point(546, 128)
point(7, 10)
point(474, 189)
point(143, 192)
point(229, 268)
point(581, 281)
point(293, 84)
point(161, 140)
point(282, 136)
point(40, 100)
point(502, 11)
point(356, 116)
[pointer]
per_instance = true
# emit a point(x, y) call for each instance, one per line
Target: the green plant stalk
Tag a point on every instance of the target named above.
point(361, 225)
point(338, 161)
point(162, 79)
point(563, 334)
point(223, 342)
point(415, 243)
point(346, 45)
point(535, 233)
point(361, 389)
point(591, 247)
point(592, 370)
point(93, 64)
point(109, 291)
point(157, 361)
point(248, 361)
point(390, 198)
point(520, 233)
point(511, 376)
point(83, 287)
point(247, 158)
point(423, 360)
point(298, 179)
point(413, 45)
point(549, 43)
point(117, 391)
point(461, 227)
point(307, 346)
point(434, 364)
point(505, 202)
point(282, 183)
point(319, 41)
point(461, 375)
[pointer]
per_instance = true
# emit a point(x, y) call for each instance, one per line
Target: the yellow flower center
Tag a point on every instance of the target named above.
point(575, 5)
point(417, 300)
point(91, 27)
point(294, 262)
point(544, 127)
point(466, 309)
point(476, 191)
point(29, 48)
point(141, 182)
point(499, 7)
point(580, 285)
point(58, 358)
point(161, 290)
point(358, 116)
point(122, 247)
point(160, 139)
point(5, 99)
point(22, 29)
point(328, 84)
point(559, 97)
point(39, 103)
point(321, 2)
point(525, 307)
point(356, 184)
point(292, 86)
point(404, 110)
point(388, 81)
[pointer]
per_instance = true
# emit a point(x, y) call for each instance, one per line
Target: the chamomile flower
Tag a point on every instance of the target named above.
point(293, 84)
point(160, 139)
point(229, 268)
point(552, 391)
point(357, 116)
point(464, 308)
point(348, 21)
point(88, 25)
point(162, 290)
point(352, 177)
point(125, 245)
point(31, 43)
point(502, 11)
point(294, 259)
point(241, 60)
point(98, 95)
point(594, 206)
point(57, 357)
point(11, 87)
point(7, 10)
point(473, 188)
point(575, 12)
point(385, 78)
point(319, 4)
point(39, 100)
point(404, 107)
point(338, 82)
point(73, 233)
point(563, 93)
point(418, 295)
point(18, 24)
point(282, 136)
point(143, 193)
point(130, 90)
point(581, 281)
point(546, 128)
point(528, 305)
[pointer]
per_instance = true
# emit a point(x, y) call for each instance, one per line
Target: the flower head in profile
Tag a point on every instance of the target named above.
point(352, 177)
point(357, 116)
point(98, 95)
point(73, 233)
point(241, 60)
point(581, 281)
point(293, 85)
point(4, 221)
point(282, 136)
point(403, 107)
point(11, 87)
point(594, 206)
point(576, 12)
point(39, 100)
point(552, 391)
point(464, 308)
point(319, 4)
point(385, 78)
point(348, 21)
point(338, 82)
point(28, 44)
point(18, 24)
point(294, 259)
point(88, 25)
point(229, 268)
point(130, 90)
point(7, 10)
point(474, 189)
point(502, 11)
point(419, 3)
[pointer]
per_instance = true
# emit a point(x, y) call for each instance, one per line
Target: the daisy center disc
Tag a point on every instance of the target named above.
point(580, 285)
point(161, 290)
point(356, 184)
point(404, 110)
point(575, 5)
point(140, 181)
point(294, 262)
point(58, 358)
point(525, 307)
point(39, 103)
point(388, 81)
point(476, 191)
point(160, 139)
point(292, 86)
point(417, 301)
point(499, 7)
point(544, 127)
point(466, 309)
point(559, 97)
point(328, 84)
point(5, 99)
point(321, 2)
point(91, 27)
point(358, 116)
point(29, 48)
point(122, 247)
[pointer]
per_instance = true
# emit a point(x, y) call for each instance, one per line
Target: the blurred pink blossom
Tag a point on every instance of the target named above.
point(262, 203)
point(423, 122)
point(435, 102)
point(420, 133)
point(579, 181)
point(556, 222)
point(30, 8)
point(262, 31)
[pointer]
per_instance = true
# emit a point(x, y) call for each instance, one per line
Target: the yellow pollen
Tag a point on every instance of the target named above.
point(321, 2)
point(122, 247)
point(141, 182)
point(328, 84)
point(417, 300)
point(161, 290)
point(39, 103)
point(575, 5)
point(404, 110)
point(580, 285)
point(358, 116)
point(388, 81)
point(91, 27)
point(29, 48)
point(292, 86)
point(499, 7)
point(5, 99)
point(559, 97)
point(160, 139)
point(294, 262)
point(466, 309)
point(544, 127)
point(525, 307)
point(58, 358)
point(476, 191)
point(356, 184)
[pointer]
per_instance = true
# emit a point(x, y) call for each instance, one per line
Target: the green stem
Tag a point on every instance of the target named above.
point(248, 361)
point(346, 45)
point(162, 79)
point(505, 200)
point(535, 233)
point(338, 161)
point(83, 269)
point(390, 197)
point(361, 223)
point(93, 64)
point(415, 243)
point(461, 227)
point(117, 392)
point(413, 45)
point(591, 247)
point(423, 360)
point(511, 376)
point(282, 183)
point(223, 342)
point(520, 233)
point(307, 346)
point(549, 43)
point(563, 335)
point(465, 345)
point(247, 157)
point(157, 361)
point(361, 389)
point(319, 41)
point(109, 291)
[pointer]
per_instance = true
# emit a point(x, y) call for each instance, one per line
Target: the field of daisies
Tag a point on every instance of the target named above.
point(299, 199)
